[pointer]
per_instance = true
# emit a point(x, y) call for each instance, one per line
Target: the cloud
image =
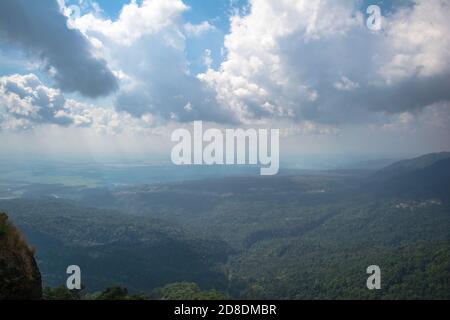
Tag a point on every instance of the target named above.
point(197, 30)
point(27, 100)
point(26, 103)
point(310, 66)
point(418, 41)
point(317, 61)
point(345, 84)
point(104, 120)
point(135, 21)
point(207, 59)
point(147, 44)
point(39, 28)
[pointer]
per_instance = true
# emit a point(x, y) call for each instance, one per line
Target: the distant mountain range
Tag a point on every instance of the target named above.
point(410, 165)
point(424, 176)
point(375, 164)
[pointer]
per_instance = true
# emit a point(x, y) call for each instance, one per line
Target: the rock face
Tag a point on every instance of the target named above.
point(20, 278)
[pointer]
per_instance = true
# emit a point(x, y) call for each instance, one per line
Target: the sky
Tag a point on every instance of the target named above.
point(87, 76)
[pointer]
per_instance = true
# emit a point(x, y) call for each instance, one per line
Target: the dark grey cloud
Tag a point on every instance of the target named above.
point(321, 64)
point(163, 85)
point(186, 101)
point(39, 28)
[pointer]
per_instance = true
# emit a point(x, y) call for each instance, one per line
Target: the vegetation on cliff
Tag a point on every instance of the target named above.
point(19, 275)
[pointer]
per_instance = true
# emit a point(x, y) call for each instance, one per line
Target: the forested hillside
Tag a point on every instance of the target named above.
point(305, 236)
point(113, 248)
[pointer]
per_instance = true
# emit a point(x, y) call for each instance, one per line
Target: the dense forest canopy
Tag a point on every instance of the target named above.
point(309, 235)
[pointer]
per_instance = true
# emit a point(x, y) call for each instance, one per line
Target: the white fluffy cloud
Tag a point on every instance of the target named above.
point(418, 41)
point(316, 61)
point(146, 43)
point(136, 20)
point(26, 99)
point(25, 102)
point(254, 78)
point(196, 30)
